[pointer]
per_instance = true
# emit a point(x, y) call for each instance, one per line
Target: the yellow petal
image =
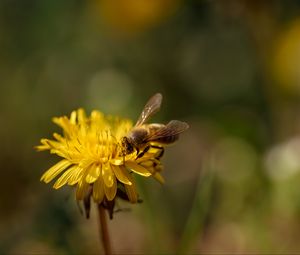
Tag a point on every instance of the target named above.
point(110, 192)
point(59, 121)
point(42, 147)
point(121, 174)
point(137, 168)
point(65, 124)
point(98, 190)
point(159, 178)
point(55, 170)
point(148, 164)
point(62, 180)
point(82, 123)
point(117, 162)
point(50, 144)
point(73, 117)
point(108, 175)
point(81, 116)
point(93, 173)
point(85, 163)
point(58, 137)
point(131, 192)
point(82, 189)
point(77, 175)
point(147, 161)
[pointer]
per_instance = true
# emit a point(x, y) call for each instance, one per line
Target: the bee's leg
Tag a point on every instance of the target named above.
point(143, 152)
point(161, 153)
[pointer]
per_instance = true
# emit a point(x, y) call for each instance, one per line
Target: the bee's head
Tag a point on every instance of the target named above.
point(127, 146)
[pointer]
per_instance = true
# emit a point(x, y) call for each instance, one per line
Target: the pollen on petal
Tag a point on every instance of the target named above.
point(137, 168)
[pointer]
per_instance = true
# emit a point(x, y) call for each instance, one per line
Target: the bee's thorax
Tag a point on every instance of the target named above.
point(137, 136)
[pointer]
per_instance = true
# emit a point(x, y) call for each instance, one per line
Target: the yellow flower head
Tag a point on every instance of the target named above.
point(92, 157)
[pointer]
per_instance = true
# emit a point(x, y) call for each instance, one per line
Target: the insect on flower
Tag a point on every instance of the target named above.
point(98, 154)
point(144, 136)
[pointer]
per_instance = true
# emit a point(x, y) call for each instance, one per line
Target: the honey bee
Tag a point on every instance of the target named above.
point(143, 136)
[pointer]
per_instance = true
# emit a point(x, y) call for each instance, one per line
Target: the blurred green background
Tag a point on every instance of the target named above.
point(228, 68)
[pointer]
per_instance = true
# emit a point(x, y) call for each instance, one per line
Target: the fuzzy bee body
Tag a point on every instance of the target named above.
point(142, 135)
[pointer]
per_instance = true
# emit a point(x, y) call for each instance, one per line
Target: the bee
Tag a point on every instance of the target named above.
point(143, 136)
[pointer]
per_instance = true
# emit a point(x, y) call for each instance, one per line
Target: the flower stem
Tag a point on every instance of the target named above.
point(103, 230)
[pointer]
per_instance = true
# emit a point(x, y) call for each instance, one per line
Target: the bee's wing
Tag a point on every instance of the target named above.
point(174, 127)
point(152, 107)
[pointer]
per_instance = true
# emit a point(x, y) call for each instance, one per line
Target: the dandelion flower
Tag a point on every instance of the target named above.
point(92, 158)
point(101, 153)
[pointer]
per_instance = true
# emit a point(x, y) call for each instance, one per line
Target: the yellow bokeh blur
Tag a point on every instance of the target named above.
point(132, 16)
point(286, 65)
